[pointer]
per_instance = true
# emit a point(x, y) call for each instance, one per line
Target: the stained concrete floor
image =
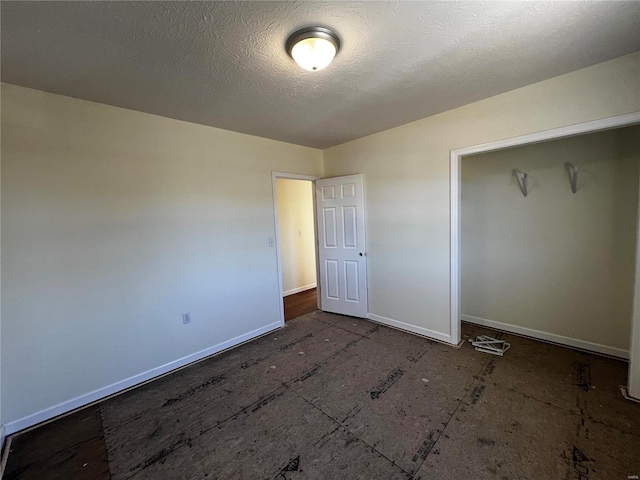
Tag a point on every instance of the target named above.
point(333, 397)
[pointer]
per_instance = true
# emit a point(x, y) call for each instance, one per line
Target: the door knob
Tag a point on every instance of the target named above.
point(360, 254)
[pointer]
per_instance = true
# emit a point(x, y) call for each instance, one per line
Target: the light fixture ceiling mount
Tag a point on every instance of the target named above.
point(313, 48)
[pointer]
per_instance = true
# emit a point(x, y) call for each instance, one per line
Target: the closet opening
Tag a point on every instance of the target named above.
point(612, 244)
point(548, 239)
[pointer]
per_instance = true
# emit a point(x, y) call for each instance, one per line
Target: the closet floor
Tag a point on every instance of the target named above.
point(334, 397)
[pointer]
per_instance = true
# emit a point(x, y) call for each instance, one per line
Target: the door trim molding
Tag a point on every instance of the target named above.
point(455, 199)
point(292, 176)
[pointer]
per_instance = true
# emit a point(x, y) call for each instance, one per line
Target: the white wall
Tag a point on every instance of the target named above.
point(2, 430)
point(116, 222)
point(634, 364)
point(297, 234)
point(555, 262)
point(406, 171)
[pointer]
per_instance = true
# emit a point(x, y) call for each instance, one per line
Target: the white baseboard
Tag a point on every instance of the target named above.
point(299, 289)
point(425, 332)
point(119, 387)
point(549, 337)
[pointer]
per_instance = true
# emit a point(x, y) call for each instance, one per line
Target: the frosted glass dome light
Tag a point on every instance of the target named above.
point(313, 48)
point(313, 54)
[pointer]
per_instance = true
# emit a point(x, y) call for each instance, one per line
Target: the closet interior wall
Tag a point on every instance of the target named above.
point(553, 264)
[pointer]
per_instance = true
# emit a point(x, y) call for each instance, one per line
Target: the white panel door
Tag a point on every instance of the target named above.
point(341, 245)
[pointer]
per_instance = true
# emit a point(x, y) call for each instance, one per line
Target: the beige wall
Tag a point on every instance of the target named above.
point(406, 171)
point(297, 234)
point(634, 364)
point(556, 262)
point(2, 431)
point(115, 223)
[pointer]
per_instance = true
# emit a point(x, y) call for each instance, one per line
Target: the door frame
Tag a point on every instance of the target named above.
point(293, 176)
point(455, 200)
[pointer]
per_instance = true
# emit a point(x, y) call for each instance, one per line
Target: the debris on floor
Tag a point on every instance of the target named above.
point(490, 345)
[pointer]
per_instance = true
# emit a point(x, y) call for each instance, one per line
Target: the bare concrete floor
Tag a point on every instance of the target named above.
point(333, 397)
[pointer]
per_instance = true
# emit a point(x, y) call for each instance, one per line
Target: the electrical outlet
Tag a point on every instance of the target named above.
point(186, 318)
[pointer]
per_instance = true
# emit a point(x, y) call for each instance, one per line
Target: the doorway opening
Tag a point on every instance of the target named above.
point(296, 244)
point(339, 244)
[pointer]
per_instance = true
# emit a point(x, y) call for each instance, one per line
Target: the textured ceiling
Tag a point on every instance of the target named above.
point(223, 63)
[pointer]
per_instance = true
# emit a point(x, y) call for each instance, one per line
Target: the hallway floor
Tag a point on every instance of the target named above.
point(300, 304)
point(333, 397)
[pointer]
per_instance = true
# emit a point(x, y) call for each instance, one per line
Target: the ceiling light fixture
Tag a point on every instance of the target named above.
point(313, 48)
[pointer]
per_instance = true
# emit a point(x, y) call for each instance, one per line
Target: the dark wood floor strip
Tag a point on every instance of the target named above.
point(72, 447)
point(300, 304)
